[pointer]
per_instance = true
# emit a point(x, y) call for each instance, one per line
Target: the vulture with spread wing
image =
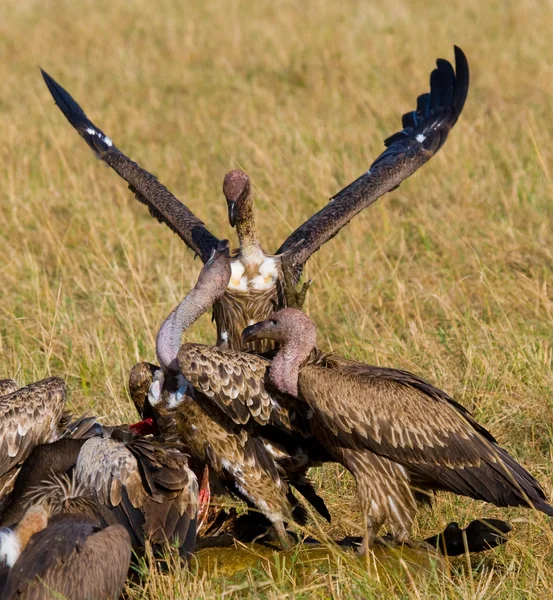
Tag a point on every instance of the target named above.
point(258, 281)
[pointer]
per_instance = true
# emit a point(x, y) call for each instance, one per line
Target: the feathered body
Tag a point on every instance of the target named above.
point(248, 461)
point(30, 416)
point(65, 548)
point(144, 484)
point(255, 290)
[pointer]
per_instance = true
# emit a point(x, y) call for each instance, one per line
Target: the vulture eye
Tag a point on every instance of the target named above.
point(274, 322)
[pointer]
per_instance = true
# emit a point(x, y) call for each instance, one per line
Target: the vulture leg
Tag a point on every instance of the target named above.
point(284, 537)
point(294, 297)
point(384, 493)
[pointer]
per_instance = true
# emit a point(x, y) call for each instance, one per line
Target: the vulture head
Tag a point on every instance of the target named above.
point(236, 187)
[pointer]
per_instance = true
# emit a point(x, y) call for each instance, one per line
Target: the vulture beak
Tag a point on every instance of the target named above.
point(258, 331)
point(232, 213)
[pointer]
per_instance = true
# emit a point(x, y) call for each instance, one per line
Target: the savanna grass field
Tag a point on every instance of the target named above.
point(448, 277)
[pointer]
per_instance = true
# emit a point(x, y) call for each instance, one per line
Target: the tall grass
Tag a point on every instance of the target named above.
point(449, 276)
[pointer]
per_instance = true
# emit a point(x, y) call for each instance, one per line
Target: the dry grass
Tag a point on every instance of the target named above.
point(447, 277)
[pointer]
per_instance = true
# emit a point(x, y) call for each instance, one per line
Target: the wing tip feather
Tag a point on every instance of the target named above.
point(96, 139)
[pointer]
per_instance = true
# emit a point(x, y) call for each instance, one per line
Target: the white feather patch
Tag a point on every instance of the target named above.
point(268, 274)
point(268, 267)
point(271, 449)
point(394, 510)
point(107, 141)
point(154, 393)
point(238, 281)
point(420, 138)
point(23, 428)
point(175, 399)
point(10, 548)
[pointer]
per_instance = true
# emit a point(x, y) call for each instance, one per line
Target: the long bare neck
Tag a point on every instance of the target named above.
point(34, 520)
point(285, 367)
point(168, 340)
point(245, 226)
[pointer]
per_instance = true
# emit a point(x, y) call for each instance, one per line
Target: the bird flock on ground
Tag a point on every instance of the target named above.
point(248, 416)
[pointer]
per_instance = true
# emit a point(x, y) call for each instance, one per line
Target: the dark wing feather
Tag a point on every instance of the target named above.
point(106, 467)
point(163, 205)
point(399, 416)
point(234, 382)
point(56, 458)
point(81, 428)
point(395, 413)
point(424, 132)
point(29, 417)
point(147, 483)
point(59, 539)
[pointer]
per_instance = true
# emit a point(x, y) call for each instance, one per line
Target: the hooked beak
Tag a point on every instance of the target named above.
point(232, 213)
point(254, 332)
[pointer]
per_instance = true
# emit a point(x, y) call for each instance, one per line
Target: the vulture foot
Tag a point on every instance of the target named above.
point(294, 298)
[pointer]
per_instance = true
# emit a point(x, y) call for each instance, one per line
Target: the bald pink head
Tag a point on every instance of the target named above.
point(297, 335)
point(236, 188)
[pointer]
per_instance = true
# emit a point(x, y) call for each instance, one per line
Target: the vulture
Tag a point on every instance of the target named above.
point(398, 435)
point(63, 547)
point(256, 287)
point(142, 483)
point(30, 416)
point(257, 466)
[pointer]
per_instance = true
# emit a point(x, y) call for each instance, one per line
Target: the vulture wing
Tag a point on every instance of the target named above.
point(29, 417)
point(146, 483)
point(163, 205)
point(401, 417)
point(424, 132)
point(235, 383)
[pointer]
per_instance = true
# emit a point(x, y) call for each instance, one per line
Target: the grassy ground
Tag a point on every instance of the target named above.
point(449, 276)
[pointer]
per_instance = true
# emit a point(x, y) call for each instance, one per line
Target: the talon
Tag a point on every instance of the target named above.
point(294, 298)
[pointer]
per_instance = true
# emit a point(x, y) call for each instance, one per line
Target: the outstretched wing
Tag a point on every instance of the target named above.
point(234, 382)
point(163, 205)
point(424, 132)
point(29, 417)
